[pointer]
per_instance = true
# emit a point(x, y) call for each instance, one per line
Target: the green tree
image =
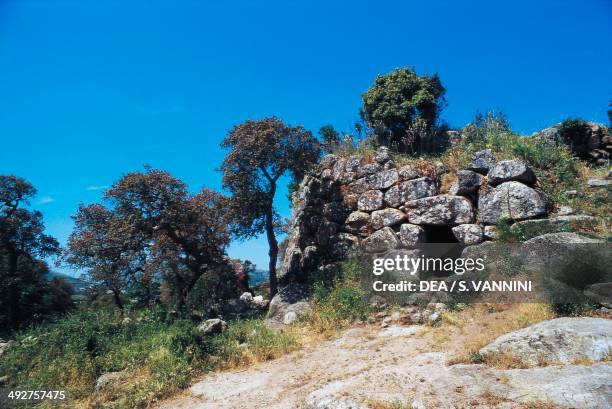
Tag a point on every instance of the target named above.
point(260, 152)
point(330, 138)
point(151, 225)
point(22, 243)
point(401, 107)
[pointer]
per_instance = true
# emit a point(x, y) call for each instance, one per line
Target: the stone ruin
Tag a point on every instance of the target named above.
point(369, 204)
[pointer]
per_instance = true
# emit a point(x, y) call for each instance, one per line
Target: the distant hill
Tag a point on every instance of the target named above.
point(78, 284)
point(258, 277)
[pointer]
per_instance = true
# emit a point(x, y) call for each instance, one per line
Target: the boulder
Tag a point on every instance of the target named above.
point(380, 241)
point(212, 326)
point(358, 223)
point(482, 161)
point(467, 182)
point(410, 234)
point(107, 379)
point(468, 233)
point(512, 200)
point(410, 190)
point(383, 179)
point(561, 254)
point(338, 169)
point(442, 210)
point(287, 296)
point(510, 170)
point(562, 340)
point(387, 217)
point(407, 173)
point(600, 293)
point(370, 200)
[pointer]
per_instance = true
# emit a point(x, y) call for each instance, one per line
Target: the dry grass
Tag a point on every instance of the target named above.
point(465, 332)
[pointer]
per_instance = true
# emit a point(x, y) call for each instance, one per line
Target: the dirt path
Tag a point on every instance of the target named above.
point(369, 365)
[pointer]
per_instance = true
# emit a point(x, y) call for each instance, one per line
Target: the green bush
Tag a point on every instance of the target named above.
point(339, 298)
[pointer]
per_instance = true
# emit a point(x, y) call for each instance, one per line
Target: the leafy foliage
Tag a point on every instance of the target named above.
point(261, 152)
point(25, 294)
point(152, 230)
point(402, 108)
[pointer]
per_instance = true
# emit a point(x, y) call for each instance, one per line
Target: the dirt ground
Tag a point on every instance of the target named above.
point(400, 366)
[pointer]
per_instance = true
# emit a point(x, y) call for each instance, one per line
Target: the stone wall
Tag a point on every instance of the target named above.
point(369, 204)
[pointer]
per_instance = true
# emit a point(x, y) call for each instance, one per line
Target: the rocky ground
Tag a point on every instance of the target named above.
point(395, 365)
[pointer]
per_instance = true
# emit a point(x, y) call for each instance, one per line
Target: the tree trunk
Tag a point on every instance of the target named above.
point(273, 252)
point(117, 299)
point(13, 313)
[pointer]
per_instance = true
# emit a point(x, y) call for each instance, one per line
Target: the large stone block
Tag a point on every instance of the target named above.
point(512, 200)
point(510, 170)
point(381, 241)
point(387, 217)
point(442, 210)
point(370, 200)
point(410, 190)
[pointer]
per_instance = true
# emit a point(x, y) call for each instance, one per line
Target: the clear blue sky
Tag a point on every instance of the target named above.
point(90, 90)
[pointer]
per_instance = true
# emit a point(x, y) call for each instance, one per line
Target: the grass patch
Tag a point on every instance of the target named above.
point(339, 300)
point(154, 357)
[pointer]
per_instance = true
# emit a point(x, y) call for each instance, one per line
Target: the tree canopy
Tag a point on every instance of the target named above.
point(23, 243)
point(260, 152)
point(401, 106)
point(151, 226)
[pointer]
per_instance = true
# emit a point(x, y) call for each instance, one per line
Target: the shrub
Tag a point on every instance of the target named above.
point(339, 299)
point(402, 108)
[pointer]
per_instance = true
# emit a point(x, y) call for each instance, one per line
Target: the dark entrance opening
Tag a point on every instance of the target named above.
point(440, 242)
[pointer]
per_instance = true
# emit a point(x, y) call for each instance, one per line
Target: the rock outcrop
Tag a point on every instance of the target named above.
point(558, 341)
point(590, 141)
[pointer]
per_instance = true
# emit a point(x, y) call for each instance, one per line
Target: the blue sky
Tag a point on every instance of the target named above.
point(91, 90)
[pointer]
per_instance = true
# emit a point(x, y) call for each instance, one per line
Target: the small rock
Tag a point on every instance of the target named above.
point(417, 404)
point(565, 211)
point(468, 233)
point(410, 190)
point(212, 326)
point(106, 380)
point(434, 317)
point(358, 222)
point(407, 173)
point(570, 193)
point(467, 182)
point(382, 155)
point(290, 317)
point(482, 161)
point(597, 183)
point(4, 380)
point(126, 321)
point(489, 232)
